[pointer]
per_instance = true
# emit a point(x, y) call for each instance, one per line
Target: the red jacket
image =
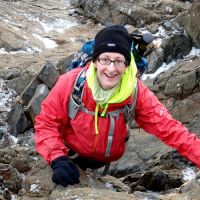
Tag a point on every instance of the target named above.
point(54, 129)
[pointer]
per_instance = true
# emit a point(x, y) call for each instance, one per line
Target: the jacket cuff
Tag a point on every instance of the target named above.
point(57, 153)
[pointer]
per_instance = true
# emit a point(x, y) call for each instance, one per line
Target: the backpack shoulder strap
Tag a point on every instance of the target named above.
point(130, 109)
point(75, 101)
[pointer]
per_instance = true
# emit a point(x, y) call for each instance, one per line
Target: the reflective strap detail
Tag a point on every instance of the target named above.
point(84, 109)
point(74, 156)
point(75, 101)
point(135, 100)
point(110, 136)
point(115, 113)
point(129, 110)
point(73, 108)
point(105, 171)
point(76, 88)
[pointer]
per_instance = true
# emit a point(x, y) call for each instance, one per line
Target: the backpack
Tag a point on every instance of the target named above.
point(75, 104)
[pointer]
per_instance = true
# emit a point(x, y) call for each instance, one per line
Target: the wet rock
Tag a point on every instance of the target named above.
point(159, 180)
point(176, 47)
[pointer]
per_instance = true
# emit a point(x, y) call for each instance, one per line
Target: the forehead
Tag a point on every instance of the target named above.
point(112, 55)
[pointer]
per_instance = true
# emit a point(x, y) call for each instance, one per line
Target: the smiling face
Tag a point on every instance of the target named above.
point(109, 75)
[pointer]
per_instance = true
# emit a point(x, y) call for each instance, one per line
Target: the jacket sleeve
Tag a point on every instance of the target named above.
point(51, 120)
point(155, 119)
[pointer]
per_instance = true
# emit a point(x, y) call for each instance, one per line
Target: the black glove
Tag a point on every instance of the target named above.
point(65, 172)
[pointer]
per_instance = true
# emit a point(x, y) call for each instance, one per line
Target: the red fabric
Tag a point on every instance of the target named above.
point(54, 130)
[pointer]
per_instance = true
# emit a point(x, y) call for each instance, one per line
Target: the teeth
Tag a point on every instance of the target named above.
point(110, 76)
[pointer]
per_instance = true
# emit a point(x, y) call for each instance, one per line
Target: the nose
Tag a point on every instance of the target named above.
point(111, 66)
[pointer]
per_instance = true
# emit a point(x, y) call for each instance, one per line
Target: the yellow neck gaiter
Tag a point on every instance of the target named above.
point(117, 94)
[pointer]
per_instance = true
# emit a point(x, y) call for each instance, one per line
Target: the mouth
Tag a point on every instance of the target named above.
point(110, 75)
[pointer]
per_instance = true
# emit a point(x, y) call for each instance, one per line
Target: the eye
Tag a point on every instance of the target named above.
point(119, 61)
point(104, 59)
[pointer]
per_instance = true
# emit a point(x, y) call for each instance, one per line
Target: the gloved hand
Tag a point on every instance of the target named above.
point(64, 172)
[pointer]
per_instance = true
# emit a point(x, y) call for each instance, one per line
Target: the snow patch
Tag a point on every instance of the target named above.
point(34, 188)
point(161, 69)
point(188, 174)
point(48, 43)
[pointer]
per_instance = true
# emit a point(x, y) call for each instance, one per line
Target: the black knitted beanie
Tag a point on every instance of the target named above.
point(114, 38)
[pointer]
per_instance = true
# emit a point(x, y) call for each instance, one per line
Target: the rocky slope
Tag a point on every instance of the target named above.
point(37, 40)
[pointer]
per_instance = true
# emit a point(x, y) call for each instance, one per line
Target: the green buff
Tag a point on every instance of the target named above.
point(117, 94)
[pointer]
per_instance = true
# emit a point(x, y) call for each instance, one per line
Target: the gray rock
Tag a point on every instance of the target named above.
point(176, 47)
point(18, 120)
point(11, 178)
point(34, 106)
point(29, 91)
point(143, 152)
point(19, 83)
point(155, 60)
point(194, 125)
point(48, 75)
point(38, 184)
point(8, 74)
point(160, 180)
point(190, 21)
point(137, 13)
point(64, 64)
point(10, 41)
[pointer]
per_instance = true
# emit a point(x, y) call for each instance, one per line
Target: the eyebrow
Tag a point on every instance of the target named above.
point(120, 58)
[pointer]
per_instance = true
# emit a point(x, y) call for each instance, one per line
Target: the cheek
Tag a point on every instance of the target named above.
point(100, 69)
point(121, 72)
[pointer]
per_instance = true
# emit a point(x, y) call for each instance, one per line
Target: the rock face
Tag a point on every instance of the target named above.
point(179, 90)
point(37, 43)
point(136, 13)
point(190, 21)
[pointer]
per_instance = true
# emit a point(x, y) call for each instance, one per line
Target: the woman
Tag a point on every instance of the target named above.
point(95, 136)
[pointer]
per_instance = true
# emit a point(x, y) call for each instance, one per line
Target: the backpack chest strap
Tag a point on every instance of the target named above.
point(111, 115)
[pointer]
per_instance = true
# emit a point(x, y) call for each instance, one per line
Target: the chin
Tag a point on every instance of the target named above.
point(108, 87)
